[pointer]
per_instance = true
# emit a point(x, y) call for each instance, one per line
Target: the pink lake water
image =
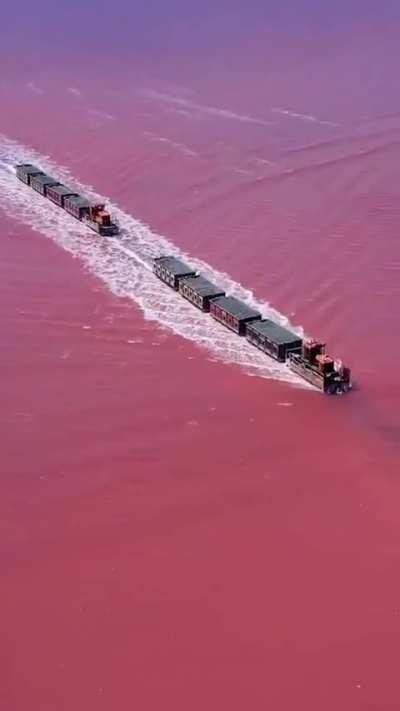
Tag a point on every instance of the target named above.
point(183, 525)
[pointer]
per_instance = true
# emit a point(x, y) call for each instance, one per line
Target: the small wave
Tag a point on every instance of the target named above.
point(75, 92)
point(195, 107)
point(304, 117)
point(181, 147)
point(34, 88)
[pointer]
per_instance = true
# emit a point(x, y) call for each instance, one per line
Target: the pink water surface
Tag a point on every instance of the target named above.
point(174, 533)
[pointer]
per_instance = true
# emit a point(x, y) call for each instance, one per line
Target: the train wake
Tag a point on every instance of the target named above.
point(124, 264)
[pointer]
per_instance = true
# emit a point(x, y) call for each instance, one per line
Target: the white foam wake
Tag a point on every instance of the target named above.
point(124, 264)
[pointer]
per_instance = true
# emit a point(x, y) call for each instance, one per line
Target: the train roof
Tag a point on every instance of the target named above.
point(29, 167)
point(274, 331)
point(63, 190)
point(236, 307)
point(45, 179)
point(176, 266)
point(79, 201)
point(202, 286)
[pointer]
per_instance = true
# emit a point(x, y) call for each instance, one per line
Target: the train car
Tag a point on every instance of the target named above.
point(199, 291)
point(171, 270)
point(273, 339)
point(77, 206)
point(26, 170)
point(320, 369)
point(41, 182)
point(58, 193)
point(233, 313)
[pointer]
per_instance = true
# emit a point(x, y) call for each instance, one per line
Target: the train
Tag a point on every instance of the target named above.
point(305, 357)
point(92, 214)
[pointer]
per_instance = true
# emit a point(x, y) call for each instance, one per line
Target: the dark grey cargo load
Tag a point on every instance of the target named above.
point(233, 313)
point(199, 291)
point(40, 182)
point(57, 193)
point(26, 170)
point(273, 339)
point(171, 270)
point(76, 205)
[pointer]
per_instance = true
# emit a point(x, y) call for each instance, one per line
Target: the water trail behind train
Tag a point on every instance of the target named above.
point(124, 264)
